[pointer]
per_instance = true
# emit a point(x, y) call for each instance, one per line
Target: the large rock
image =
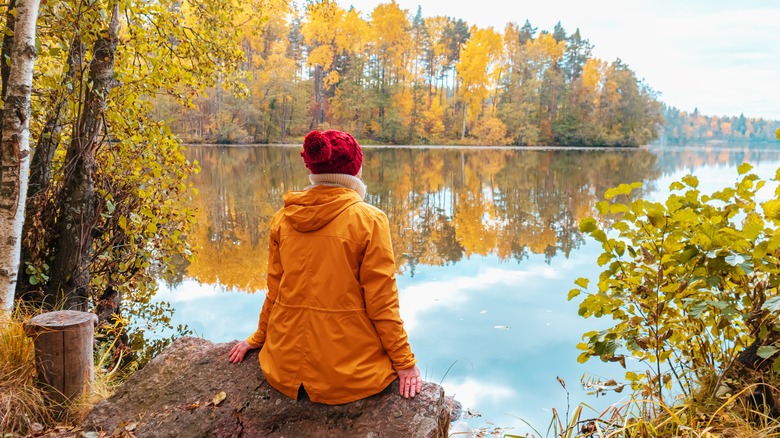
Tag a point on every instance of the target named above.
point(178, 395)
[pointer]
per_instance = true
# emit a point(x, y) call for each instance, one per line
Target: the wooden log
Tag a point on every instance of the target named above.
point(63, 352)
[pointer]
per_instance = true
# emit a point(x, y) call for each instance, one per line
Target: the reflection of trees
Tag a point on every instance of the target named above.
point(443, 204)
point(239, 191)
point(672, 159)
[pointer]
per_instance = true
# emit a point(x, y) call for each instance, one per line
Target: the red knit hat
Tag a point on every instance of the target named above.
point(332, 152)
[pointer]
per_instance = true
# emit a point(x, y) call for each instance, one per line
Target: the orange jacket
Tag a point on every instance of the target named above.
point(330, 320)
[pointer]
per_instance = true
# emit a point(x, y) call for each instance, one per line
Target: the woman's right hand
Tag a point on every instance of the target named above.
point(238, 351)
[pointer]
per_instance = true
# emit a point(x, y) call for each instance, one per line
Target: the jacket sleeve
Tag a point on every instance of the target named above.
point(377, 277)
point(257, 339)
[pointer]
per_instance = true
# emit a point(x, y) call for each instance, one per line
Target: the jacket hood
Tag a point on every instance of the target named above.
point(312, 209)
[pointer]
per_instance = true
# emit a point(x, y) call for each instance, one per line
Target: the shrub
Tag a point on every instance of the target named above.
point(689, 282)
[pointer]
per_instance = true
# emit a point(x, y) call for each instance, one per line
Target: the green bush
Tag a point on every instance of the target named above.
point(689, 282)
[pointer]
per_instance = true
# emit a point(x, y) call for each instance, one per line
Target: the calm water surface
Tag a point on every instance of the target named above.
point(487, 249)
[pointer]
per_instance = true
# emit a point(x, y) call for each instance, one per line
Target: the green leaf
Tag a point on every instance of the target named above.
point(687, 254)
point(766, 351)
point(772, 304)
point(698, 309)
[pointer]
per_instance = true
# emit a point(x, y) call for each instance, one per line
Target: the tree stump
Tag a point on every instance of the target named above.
point(63, 352)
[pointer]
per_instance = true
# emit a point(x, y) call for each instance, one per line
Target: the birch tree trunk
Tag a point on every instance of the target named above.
point(68, 285)
point(15, 147)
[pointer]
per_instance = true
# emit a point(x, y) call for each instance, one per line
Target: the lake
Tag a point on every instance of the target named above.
point(487, 248)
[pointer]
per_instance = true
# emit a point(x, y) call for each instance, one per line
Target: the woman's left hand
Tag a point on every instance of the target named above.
point(410, 381)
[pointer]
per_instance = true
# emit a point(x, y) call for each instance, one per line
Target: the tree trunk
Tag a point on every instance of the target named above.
point(15, 147)
point(39, 201)
point(463, 128)
point(40, 168)
point(68, 286)
point(8, 42)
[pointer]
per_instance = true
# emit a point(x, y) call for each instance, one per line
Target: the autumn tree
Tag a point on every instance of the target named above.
point(629, 110)
point(479, 69)
point(353, 104)
point(323, 20)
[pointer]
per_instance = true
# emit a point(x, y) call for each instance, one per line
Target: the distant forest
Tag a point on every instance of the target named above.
point(682, 128)
point(393, 77)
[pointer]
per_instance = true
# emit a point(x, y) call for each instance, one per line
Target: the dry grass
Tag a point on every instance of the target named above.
point(747, 411)
point(22, 403)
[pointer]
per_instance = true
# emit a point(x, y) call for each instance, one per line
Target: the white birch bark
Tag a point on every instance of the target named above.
point(15, 148)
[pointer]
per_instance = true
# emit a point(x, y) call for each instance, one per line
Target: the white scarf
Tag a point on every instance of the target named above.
point(339, 179)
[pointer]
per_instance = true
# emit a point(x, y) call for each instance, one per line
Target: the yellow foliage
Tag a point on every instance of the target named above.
point(490, 132)
point(592, 74)
point(479, 67)
point(389, 24)
point(543, 52)
point(403, 102)
point(353, 33)
point(433, 119)
point(322, 56)
point(323, 20)
point(436, 27)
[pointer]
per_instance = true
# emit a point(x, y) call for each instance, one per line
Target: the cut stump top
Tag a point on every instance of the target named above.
point(60, 319)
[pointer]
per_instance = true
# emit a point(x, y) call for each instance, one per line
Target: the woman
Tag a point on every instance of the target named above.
point(330, 326)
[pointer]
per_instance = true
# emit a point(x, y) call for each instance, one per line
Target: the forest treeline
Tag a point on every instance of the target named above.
point(392, 76)
point(682, 127)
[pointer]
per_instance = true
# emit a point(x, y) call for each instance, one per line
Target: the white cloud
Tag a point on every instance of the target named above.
point(416, 299)
point(471, 392)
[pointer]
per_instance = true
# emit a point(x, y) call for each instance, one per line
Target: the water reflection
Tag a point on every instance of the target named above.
point(444, 205)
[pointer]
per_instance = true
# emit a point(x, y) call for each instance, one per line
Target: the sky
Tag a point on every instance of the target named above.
point(722, 57)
